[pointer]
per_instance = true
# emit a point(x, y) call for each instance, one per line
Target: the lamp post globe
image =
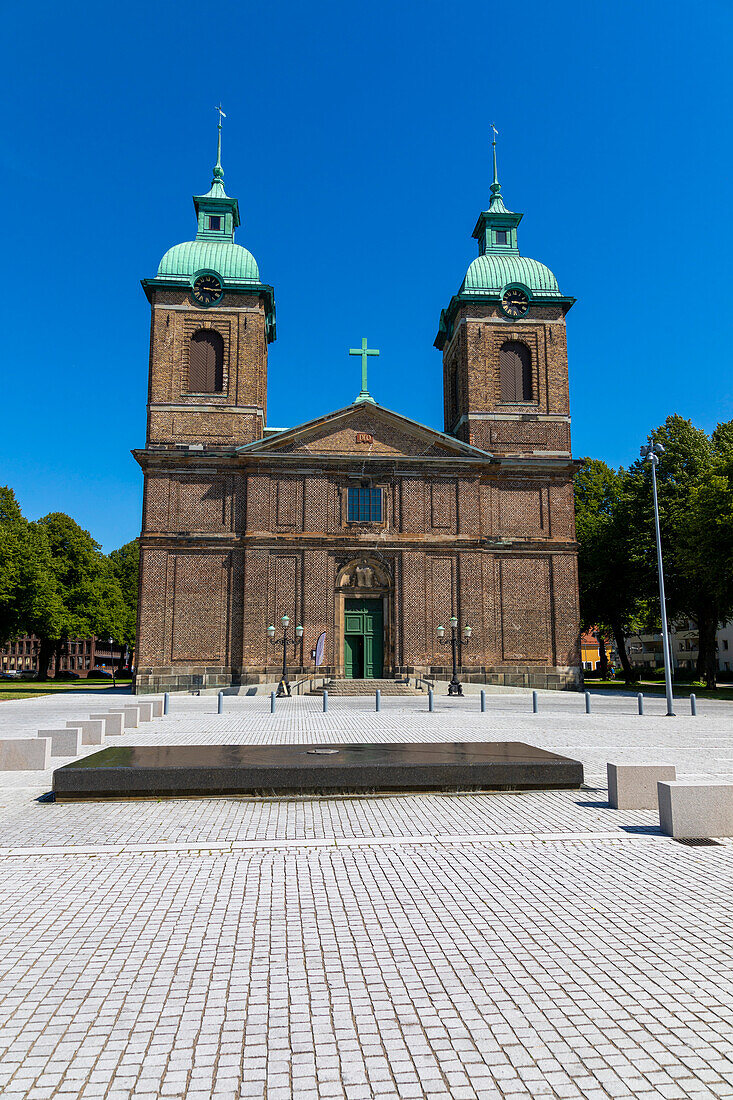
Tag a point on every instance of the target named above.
point(454, 687)
point(283, 688)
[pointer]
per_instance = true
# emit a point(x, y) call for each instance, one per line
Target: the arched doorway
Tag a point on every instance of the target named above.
point(363, 619)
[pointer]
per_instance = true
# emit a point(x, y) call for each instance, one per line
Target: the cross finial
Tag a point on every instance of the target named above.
point(364, 351)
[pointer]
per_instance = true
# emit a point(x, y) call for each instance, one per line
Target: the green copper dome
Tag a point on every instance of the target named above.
point(229, 260)
point(499, 265)
point(490, 273)
point(214, 252)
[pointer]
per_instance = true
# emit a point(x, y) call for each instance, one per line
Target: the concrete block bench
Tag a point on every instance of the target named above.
point(20, 754)
point(634, 786)
point(132, 717)
point(690, 811)
point(157, 705)
point(64, 742)
point(113, 722)
point(146, 711)
point(92, 731)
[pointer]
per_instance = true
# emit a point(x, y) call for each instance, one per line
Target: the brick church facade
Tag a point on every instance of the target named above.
point(362, 524)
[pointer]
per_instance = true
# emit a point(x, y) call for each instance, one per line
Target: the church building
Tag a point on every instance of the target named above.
point(363, 524)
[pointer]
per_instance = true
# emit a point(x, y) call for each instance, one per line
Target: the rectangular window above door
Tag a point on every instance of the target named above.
point(365, 504)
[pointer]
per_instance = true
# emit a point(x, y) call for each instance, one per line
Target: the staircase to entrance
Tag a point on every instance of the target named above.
point(350, 687)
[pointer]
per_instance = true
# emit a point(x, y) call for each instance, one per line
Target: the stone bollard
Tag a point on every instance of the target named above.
point(483, 701)
point(92, 731)
point(431, 700)
point(166, 702)
point(378, 699)
point(132, 717)
point(64, 742)
point(272, 702)
point(640, 701)
point(146, 712)
point(691, 811)
point(157, 705)
point(693, 704)
point(634, 786)
point(25, 754)
point(325, 701)
point(535, 702)
point(220, 703)
point(113, 722)
point(587, 702)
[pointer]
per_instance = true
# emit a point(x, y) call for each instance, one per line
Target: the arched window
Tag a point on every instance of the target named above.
point(515, 372)
point(206, 362)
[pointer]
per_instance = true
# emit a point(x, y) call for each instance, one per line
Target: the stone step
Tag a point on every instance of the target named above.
point(337, 688)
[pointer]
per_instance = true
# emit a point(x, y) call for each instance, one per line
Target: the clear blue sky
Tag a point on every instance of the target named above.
point(357, 144)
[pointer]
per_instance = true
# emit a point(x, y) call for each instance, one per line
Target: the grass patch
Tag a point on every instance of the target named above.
point(32, 689)
point(654, 687)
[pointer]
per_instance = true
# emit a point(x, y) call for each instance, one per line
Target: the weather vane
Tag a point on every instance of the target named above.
point(221, 113)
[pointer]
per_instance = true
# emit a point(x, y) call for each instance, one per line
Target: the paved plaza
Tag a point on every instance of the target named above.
point(462, 946)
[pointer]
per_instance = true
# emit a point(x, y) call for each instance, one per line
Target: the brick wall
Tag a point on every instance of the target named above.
point(200, 610)
point(472, 399)
point(235, 415)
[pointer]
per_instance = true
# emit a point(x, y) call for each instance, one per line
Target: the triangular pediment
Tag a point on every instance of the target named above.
point(364, 430)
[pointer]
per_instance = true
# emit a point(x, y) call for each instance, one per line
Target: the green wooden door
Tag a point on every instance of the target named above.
point(363, 639)
point(354, 652)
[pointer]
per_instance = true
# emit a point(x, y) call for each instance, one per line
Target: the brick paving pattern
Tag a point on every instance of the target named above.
point(462, 946)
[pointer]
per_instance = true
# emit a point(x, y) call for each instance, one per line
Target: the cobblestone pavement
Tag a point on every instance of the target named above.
point(462, 946)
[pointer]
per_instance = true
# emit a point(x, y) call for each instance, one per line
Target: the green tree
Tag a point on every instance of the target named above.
point(29, 599)
point(608, 584)
point(91, 600)
point(697, 586)
point(125, 565)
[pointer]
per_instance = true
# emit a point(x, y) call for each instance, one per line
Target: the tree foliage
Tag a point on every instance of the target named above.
point(29, 599)
point(125, 565)
point(615, 525)
point(56, 583)
point(606, 573)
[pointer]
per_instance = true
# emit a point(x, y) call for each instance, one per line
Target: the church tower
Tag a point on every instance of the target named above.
point(505, 370)
point(212, 320)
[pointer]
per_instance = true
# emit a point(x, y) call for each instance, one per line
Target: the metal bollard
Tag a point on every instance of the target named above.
point(483, 701)
point(430, 700)
point(535, 702)
point(693, 704)
point(272, 702)
point(640, 701)
point(166, 701)
point(325, 701)
point(378, 699)
point(587, 702)
point(220, 703)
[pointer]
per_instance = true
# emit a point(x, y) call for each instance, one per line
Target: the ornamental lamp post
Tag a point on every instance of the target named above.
point(454, 687)
point(652, 452)
point(283, 688)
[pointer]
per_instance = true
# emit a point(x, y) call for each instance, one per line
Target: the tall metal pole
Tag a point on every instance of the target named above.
point(660, 568)
point(454, 651)
point(284, 678)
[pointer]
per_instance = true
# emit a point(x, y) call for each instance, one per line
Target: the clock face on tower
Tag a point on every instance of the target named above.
point(515, 302)
point(207, 289)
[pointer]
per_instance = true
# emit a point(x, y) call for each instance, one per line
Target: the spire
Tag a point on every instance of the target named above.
point(496, 228)
point(217, 214)
point(496, 205)
point(217, 184)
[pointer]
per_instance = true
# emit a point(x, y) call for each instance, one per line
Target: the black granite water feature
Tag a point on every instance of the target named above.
point(153, 771)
